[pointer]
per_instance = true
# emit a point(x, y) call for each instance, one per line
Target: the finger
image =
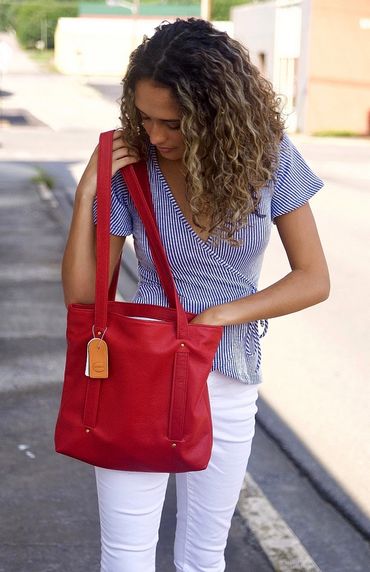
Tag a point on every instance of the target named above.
point(124, 162)
point(123, 152)
point(119, 144)
point(118, 134)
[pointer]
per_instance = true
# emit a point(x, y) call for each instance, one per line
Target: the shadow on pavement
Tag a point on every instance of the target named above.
point(48, 501)
point(326, 485)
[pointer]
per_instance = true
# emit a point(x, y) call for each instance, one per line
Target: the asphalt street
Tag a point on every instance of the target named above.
point(49, 517)
point(48, 503)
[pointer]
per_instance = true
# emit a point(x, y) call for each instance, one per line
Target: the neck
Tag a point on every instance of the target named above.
point(175, 166)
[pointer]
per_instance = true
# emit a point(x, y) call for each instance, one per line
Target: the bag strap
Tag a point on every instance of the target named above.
point(142, 175)
point(104, 177)
point(114, 281)
point(137, 181)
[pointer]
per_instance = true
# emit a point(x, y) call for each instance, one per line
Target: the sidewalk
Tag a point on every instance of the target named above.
point(44, 525)
point(49, 510)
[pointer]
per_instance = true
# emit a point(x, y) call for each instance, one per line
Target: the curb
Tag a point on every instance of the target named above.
point(325, 485)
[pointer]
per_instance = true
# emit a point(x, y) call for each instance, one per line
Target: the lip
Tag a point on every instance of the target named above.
point(165, 149)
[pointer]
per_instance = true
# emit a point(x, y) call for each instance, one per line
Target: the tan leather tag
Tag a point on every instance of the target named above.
point(97, 351)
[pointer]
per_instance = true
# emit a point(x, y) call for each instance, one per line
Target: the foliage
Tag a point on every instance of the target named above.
point(45, 59)
point(221, 8)
point(337, 133)
point(35, 20)
point(5, 15)
point(43, 178)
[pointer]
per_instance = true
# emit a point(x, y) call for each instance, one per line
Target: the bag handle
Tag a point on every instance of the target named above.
point(104, 177)
point(136, 178)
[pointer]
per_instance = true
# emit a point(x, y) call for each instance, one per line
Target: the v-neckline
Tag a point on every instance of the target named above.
point(175, 203)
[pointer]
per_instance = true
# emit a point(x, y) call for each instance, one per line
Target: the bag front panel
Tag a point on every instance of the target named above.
point(132, 408)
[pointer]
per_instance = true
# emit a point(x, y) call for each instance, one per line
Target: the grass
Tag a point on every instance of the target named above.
point(338, 133)
point(42, 177)
point(43, 57)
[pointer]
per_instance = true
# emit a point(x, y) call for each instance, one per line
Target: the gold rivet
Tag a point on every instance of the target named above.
point(173, 445)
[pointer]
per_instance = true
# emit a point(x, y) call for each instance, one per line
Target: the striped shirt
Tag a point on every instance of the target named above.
point(206, 274)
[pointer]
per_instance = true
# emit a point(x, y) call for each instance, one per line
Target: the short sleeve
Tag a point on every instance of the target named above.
point(120, 216)
point(295, 182)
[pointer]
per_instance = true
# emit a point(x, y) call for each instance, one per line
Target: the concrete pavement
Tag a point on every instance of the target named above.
point(60, 148)
point(49, 518)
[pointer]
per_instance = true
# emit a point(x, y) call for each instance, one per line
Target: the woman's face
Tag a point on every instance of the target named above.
point(160, 115)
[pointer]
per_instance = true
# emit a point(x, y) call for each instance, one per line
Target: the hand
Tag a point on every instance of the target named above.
point(121, 157)
point(207, 317)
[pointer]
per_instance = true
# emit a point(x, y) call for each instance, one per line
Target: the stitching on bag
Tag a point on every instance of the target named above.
point(179, 377)
point(87, 410)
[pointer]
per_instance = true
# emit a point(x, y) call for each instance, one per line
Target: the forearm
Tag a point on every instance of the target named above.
point(297, 290)
point(79, 262)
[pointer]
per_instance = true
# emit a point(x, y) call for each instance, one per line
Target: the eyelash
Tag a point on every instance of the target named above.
point(172, 127)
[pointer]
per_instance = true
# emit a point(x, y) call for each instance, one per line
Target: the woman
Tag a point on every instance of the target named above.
point(221, 171)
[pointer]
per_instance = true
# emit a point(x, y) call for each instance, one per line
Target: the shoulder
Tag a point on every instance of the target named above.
point(294, 182)
point(287, 151)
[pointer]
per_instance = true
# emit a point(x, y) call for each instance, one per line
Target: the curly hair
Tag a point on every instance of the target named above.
point(230, 119)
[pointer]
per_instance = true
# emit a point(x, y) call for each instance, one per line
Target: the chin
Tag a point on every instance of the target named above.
point(171, 155)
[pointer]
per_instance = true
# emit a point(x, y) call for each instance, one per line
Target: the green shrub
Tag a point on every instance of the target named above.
point(5, 13)
point(37, 20)
point(336, 133)
point(221, 8)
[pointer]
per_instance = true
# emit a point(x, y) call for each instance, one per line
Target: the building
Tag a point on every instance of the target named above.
point(99, 41)
point(317, 55)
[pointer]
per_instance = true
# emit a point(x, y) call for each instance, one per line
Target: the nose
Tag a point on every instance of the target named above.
point(157, 133)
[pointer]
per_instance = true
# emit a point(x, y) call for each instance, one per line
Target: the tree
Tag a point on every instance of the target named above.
point(37, 20)
point(221, 8)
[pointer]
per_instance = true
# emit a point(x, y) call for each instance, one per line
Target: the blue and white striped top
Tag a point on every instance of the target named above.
point(206, 274)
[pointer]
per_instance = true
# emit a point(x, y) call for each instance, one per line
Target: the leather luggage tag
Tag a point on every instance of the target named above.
point(97, 359)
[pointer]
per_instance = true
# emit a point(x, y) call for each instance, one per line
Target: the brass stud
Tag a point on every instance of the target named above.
point(182, 345)
point(173, 445)
point(87, 430)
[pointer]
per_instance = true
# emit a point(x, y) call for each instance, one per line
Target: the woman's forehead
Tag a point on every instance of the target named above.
point(156, 100)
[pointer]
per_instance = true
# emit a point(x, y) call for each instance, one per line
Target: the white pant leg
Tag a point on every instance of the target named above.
point(130, 507)
point(206, 499)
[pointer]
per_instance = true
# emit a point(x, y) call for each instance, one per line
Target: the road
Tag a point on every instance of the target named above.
point(317, 362)
point(315, 399)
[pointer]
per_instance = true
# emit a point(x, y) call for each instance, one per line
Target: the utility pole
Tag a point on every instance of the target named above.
point(205, 9)
point(44, 32)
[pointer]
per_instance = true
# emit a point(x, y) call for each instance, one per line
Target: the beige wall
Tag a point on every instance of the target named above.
point(254, 26)
point(98, 46)
point(274, 30)
point(339, 67)
point(101, 46)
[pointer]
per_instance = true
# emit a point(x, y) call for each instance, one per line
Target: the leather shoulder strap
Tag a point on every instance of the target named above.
point(135, 178)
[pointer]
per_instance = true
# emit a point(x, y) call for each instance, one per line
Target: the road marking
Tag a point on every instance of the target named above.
point(277, 540)
point(47, 195)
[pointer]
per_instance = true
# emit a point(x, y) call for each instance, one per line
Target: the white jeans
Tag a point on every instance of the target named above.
point(130, 503)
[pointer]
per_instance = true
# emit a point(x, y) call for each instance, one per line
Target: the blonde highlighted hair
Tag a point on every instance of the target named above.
point(230, 118)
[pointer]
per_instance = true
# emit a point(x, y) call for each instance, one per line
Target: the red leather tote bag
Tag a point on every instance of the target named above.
point(151, 412)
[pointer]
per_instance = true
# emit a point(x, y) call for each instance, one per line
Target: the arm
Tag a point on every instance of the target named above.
point(79, 261)
point(307, 284)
